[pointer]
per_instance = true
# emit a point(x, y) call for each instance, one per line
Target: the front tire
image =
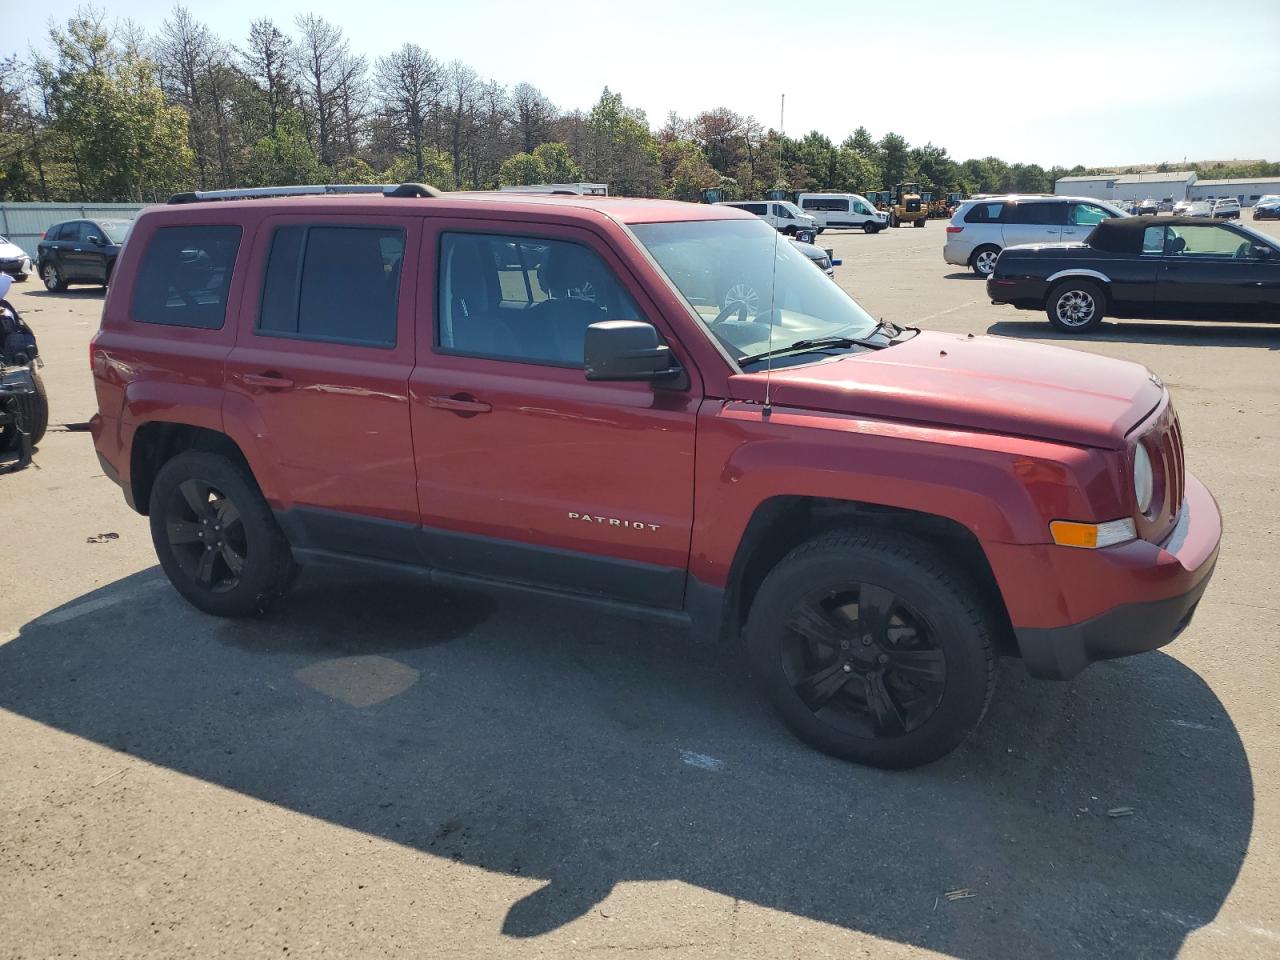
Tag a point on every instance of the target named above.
point(1076, 306)
point(873, 648)
point(870, 227)
point(216, 538)
point(984, 259)
point(53, 281)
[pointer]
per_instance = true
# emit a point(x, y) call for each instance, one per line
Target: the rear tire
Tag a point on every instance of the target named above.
point(1076, 306)
point(894, 221)
point(983, 260)
point(216, 538)
point(919, 223)
point(873, 647)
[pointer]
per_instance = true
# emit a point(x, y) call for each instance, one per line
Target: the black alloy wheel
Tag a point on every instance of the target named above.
point(873, 646)
point(206, 535)
point(862, 661)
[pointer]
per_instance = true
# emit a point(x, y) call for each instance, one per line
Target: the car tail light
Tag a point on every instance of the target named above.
point(951, 229)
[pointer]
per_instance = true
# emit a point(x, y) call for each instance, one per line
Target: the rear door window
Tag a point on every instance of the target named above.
point(985, 213)
point(333, 284)
point(185, 275)
point(1039, 214)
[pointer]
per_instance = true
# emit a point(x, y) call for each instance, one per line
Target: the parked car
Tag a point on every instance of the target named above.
point(823, 259)
point(1199, 208)
point(14, 260)
point(1180, 208)
point(1166, 205)
point(1148, 207)
point(1227, 209)
point(80, 251)
point(565, 405)
point(981, 228)
point(843, 210)
point(782, 215)
point(1268, 208)
point(1183, 268)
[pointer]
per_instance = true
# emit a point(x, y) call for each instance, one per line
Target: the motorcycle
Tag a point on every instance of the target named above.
point(24, 404)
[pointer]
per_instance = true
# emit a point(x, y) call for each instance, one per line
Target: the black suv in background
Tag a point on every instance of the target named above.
point(80, 251)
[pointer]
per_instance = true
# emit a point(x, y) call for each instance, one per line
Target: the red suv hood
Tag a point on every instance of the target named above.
point(991, 384)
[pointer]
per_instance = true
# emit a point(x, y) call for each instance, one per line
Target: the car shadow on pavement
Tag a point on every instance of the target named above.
point(963, 275)
point(92, 292)
point(1104, 817)
point(1170, 333)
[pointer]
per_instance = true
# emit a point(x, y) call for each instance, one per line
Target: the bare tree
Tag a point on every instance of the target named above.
point(268, 59)
point(324, 62)
point(459, 107)
point(409, 84)
point(532, 116)
point(184, 50)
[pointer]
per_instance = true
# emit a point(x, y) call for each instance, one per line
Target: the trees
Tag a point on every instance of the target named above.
point(532, 117)
point(125, 142)
point(619, 149)
point(522, 169)
point(408, 82)
point(894, 159)
point(123, 114)
point(559, 165)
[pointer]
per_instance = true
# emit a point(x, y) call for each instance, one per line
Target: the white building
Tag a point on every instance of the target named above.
point(1246, 191)
point(1175, 185)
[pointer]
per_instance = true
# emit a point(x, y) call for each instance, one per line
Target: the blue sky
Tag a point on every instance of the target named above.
point(1098, 83)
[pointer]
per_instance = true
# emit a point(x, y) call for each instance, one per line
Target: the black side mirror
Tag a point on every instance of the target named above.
point(627, 350)
point(1262, 251)
point(95, 239)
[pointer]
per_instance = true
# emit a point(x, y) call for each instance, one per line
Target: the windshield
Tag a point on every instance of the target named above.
point(116, 230)
point(1258, 235)
point(726, 271)
point(792, 208)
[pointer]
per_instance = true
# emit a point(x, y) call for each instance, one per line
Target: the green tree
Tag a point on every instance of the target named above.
point(895, 157)
point(125, 141)
point(521, 170)
point(284, 157)
point(560, 166)
point(619, 148)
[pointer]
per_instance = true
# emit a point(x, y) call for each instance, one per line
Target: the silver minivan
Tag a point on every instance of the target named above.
point(982, 227)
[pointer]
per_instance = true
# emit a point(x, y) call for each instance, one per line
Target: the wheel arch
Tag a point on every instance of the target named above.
point(782, 523)
point(157, 442)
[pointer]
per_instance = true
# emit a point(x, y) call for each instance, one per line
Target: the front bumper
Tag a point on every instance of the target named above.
point(19, 267)
point(1115, 602)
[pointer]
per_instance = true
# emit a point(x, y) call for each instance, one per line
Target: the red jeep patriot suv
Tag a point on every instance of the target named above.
point(650, 406)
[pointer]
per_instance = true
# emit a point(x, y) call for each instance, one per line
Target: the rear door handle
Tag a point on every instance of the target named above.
point(460, 403)
point(266, 381)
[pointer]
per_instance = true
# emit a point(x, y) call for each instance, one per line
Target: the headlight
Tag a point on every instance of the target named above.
point(1143, 478)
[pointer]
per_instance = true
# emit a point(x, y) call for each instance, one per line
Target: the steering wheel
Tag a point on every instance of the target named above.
point(740, 308)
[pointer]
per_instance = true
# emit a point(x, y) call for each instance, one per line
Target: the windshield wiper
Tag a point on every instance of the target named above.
point(814, 344)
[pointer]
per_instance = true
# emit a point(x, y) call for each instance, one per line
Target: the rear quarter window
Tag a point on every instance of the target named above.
point(985, 213)
point(184, 276)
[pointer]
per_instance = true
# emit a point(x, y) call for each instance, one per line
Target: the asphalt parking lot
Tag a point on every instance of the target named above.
point(378, 769)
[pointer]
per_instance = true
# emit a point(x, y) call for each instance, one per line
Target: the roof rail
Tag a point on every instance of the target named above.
point(253, 193)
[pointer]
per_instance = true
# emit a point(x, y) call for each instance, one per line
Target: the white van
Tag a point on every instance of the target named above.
point(847, 210)
point(782, 215)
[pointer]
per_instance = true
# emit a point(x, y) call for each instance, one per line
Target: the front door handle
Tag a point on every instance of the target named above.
point(266, 381)
point(460, 403)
